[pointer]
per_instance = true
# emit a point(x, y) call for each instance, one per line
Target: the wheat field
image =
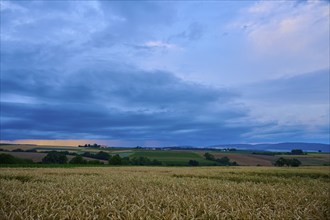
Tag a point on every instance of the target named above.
point(165, 193)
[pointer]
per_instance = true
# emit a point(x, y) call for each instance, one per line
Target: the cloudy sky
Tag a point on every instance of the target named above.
point(159, 73)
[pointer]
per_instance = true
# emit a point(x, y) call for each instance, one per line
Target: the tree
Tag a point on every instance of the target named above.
point(125, 161)
point(102, 155)
point(287, 162)
point(7, 159)
point(78, 160)
point(224, 161)
point(115, 160)
point(209, 156)
point(55, 157)
point(87, 154)
point(280, 162)
point(193, 163)
point(294, 162)
point(140, 161)
point(144, 161)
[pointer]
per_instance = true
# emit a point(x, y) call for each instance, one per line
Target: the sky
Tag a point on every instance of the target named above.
point(164, 73)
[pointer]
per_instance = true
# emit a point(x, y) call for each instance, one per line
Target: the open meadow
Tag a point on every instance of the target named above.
point(165, 193)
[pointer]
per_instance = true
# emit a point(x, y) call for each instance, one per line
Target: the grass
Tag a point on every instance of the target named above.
point(165, 193)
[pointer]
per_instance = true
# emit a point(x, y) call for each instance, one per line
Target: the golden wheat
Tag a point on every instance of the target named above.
point(164, 193)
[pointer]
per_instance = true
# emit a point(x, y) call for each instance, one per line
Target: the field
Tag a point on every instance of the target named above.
point(165, 193)
point(37, 157)
point(172, 157)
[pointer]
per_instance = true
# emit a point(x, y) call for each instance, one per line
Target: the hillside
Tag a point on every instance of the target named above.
point(171, 157)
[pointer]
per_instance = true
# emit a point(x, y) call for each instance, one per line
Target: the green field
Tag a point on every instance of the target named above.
point(130, 193)
point(171, 158)
point(176, 157)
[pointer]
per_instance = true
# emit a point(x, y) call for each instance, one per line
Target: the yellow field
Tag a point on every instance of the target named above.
point(165, 193)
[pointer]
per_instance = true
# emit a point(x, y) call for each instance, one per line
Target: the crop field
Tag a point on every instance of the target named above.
point(165, 193)
point(249, 159)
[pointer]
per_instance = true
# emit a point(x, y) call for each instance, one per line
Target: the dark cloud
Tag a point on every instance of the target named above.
point(301, 89)
point(45, 97)
point(67, 73)
point(48, 97)
point(112, 103)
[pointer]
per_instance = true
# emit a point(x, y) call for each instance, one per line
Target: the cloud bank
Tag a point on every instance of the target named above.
point(109, 71)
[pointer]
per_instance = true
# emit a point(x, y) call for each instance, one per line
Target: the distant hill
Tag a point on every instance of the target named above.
point(278, 147)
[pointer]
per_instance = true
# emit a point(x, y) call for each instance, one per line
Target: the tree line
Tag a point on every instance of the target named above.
point(223, 161)
point(56, 157)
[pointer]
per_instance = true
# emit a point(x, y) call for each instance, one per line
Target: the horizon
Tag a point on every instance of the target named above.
point(76, 143)
point(164, 73)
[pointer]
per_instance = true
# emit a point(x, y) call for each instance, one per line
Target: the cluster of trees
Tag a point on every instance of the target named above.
point(144, 161)
point(287, 162)
point(90, 145)
point(223, 161)
point(139, 161)
point(297, 152)
point(60, 157)
point(55, 157)
point(117, 160)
